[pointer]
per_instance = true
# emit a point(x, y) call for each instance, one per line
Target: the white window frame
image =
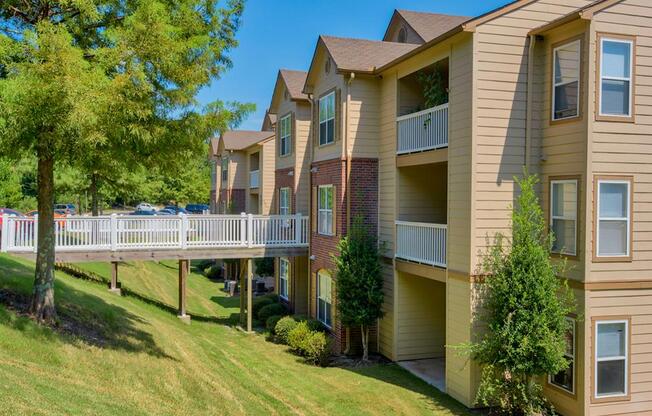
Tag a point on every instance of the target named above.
point(322, 100)
point(284, 276)
point(630, 79)
point(574, 213)
point(323, 274)
point(615, 358)
point(284, 209)
point(554, 77)
point(569, 357)
point(285, 135)
point(327, 211)
point(628, 238)
point(224, 170)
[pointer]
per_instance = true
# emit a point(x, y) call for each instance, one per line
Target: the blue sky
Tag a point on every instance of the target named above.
point(282, 34)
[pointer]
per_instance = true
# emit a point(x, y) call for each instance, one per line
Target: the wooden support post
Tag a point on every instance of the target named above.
point(250, 292)
point(114, 286)
point(241, 275)
point(183, 277)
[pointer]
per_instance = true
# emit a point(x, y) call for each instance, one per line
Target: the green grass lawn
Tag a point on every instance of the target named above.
point(138, 358)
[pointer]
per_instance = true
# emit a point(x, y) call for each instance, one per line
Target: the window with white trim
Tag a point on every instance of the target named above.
point(225, 169)
point(327, 119)
point(616, 60)
point(325, 208)
point(285, 134)
point(324, 299)
point(613, 224)
point(563, 216)
point(284, 201)
point(566, 81)
point(611, 358)
point(284, 278)
point(565, 379)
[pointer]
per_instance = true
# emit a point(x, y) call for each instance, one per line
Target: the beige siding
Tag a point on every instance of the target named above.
point(267, 176)
point(637, 305)
point(626, 148)
point(501, 88)
point(458, 331)
point(363, 114)
point(422, 318)
point(302, 158)
point(422, 193)
point(238, 175)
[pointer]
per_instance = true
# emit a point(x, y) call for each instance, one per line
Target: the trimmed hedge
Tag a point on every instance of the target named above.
point(270, 310)
point(316, 347)
point(297, 336)
point(213, 272)
point(259, 303)
point(272, 321)
point(283, 328)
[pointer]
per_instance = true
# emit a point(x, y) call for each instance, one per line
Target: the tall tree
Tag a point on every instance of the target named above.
point(525, 311)
point(359, 282)
point(82, 76)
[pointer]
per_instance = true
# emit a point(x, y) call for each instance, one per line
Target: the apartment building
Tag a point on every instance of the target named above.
point(239, 157)
point(560, 87)
point(291, 110)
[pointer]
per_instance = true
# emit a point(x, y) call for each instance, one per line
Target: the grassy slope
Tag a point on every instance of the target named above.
point(154, 364)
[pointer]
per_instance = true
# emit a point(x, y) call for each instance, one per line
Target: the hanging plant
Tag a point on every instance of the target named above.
point(434, 87)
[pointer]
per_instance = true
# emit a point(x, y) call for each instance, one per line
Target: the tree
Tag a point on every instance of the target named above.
point(359, 282)
point(88, 76)
point(525, 310)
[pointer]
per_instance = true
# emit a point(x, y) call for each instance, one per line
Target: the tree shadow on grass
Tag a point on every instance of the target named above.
point(434, 399)
point(82, 317)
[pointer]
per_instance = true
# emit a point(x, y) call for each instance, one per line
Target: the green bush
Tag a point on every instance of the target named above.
point(214, 272)
point(297, 336)
point(283, 328)
point(271, 322)
point(313, 324)
point(316, 347)
point(270, 310)
point(259, 303)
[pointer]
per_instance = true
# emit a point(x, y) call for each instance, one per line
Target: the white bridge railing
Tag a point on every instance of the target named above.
point(424, 130)
point(115, 233)
point(421, 242)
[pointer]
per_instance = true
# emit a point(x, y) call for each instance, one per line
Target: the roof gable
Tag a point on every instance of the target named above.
point(425, 26)
point(289, 81)
point(241, 139)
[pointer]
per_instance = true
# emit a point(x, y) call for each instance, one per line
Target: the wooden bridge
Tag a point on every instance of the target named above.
point(118, 238)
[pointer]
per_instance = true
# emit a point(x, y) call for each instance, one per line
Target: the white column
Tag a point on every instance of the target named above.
point(114, 232)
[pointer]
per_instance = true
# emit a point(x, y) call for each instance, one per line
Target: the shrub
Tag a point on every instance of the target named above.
point(297, 336)
point(316, 347)
point(264, 266)
point(283, 328)
point(270, 310)
point(259, 303)
point(214, 272)
point(315, 325)
point(271, 322)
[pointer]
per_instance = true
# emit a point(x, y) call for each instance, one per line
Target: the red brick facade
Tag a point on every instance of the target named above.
point(364, 202)
point(233, 200)
point(284, 179)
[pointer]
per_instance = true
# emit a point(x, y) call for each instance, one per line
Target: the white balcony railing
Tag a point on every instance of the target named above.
point(254, 179)
point(425, 130)
point(421, 242)
point(116, 233)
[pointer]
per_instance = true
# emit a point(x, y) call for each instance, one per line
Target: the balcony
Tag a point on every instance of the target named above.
point(254, 179)
point(423, 130)
point(421, 242)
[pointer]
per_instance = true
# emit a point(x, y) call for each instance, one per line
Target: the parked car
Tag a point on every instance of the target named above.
point(197, 208)
point(144, 206)
point(10, 212)
point(165, 211)
point(176, 209)
point(58, 213)
point(69, 209)
point(144, 212)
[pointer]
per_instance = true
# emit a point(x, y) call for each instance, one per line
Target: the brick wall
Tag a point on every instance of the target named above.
point(233, 199)
point(284, 180)
point(364, 202)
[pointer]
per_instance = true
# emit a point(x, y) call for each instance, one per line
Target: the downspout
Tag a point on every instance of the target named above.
point(346, 152)
point(528, 121)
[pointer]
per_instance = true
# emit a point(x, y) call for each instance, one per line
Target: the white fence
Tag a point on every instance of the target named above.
point(425, 130)
point(421, 242)
point(254, 179)
point(115, 233)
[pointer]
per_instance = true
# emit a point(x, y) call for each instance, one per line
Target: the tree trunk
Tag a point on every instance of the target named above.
point(42, 306)
point(364, 330)
point(94, 197)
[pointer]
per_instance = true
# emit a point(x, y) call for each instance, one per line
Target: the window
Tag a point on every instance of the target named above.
point(325, 219)
point(565, 379)
point(616, 77)
point(285, 133)
point(225, 170)
point(284, 201)
point(284, 278)
point(611, 358)
point(563, 216)
point(613, 223)
point(402, 35)
point(566, 81)
point(324, 283)
point(327, 119)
